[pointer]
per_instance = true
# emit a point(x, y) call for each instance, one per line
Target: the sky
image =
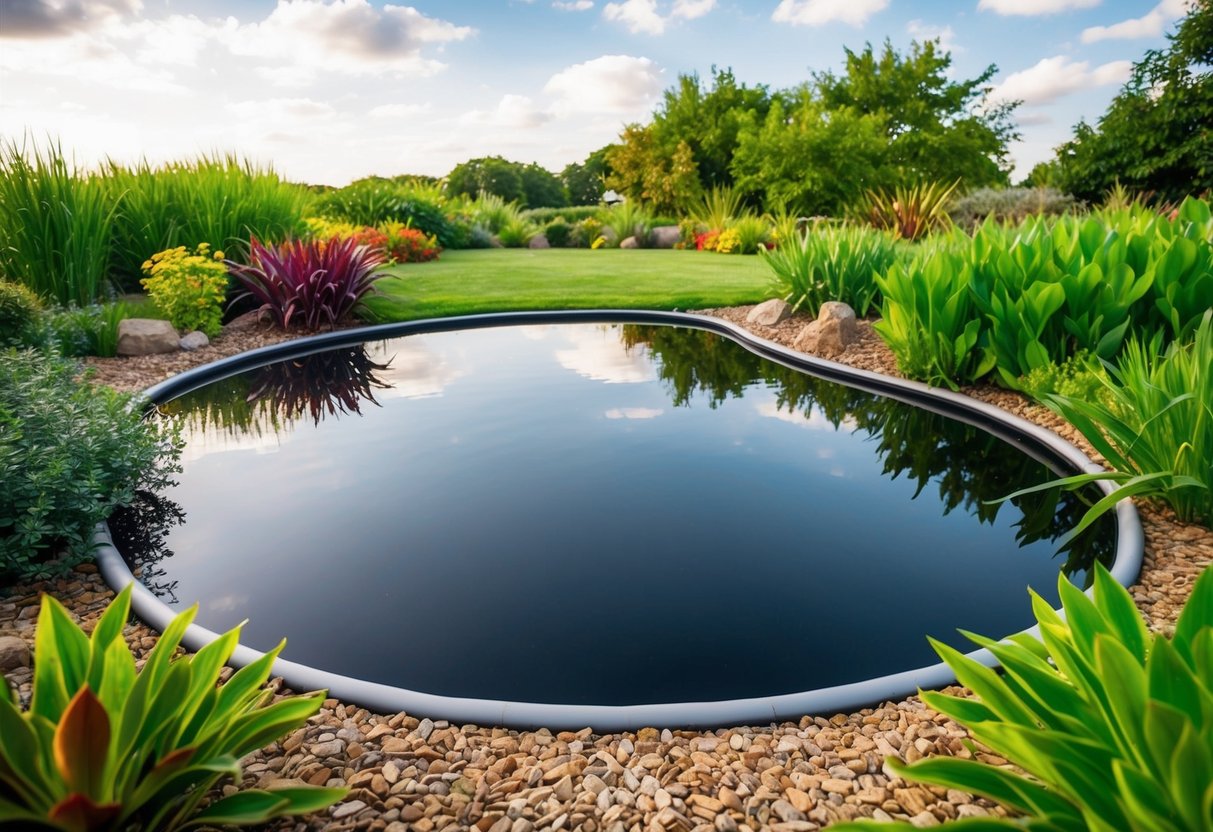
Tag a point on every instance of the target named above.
point(327, 91)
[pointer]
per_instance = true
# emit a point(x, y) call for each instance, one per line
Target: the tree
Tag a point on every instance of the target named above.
point(1157, 134)
point(936, 128)
point(491, 174)
point(643, 171)
point(585, 182)
point(541, 188)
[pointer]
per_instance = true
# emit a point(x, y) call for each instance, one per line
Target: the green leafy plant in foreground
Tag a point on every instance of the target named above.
point(1154, 426)
point(1112, 724)
point(106, 747)
point(825, 263)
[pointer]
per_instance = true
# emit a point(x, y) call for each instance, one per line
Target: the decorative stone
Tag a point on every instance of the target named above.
point(769, 312)
point(14, 653)
point(539, 241)
point(665, 236)
point(630, 242)
point(194, 341)
point(833, 331)
point(146, 336)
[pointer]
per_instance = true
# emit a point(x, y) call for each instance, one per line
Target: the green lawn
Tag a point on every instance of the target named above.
point(505, 280)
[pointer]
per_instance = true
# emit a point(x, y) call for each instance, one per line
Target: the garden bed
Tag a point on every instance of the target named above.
point(430, 775)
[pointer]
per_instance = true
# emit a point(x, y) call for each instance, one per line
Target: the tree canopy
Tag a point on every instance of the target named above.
point(529, 185)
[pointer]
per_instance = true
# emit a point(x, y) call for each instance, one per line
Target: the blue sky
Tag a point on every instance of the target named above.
point(331, 90)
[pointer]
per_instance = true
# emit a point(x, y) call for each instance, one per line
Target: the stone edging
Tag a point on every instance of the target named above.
point(1030, 438)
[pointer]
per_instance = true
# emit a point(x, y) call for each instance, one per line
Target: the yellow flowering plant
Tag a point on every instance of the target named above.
point(189, 286)
point(728, 242)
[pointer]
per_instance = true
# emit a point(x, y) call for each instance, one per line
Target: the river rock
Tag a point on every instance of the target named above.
point(665, 236)
point(539, 241)
point(769, 312)
point(630, 242)
point(833, 331)
point(195, 340)
point(146, 336)
point(14, 653)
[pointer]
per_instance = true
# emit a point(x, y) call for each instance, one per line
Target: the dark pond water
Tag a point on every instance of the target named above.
point(607, 514)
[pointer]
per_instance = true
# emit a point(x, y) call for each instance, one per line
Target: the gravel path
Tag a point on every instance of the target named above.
point(410, 773)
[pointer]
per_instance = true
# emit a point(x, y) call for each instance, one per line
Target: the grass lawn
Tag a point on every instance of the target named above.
point(507, 280)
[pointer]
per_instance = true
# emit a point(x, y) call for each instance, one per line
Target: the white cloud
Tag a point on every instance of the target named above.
point(1150, 25)
point(926, 31)
point(281, 109)
point(1034, 7)
point(633, 413)
point(57, 18)
point(821, 12)
point(574, 5)
point(347, 36)
point(1052, 78)
point(513, 111)
point(398, 110)
point(609, 84)
point(644, 17)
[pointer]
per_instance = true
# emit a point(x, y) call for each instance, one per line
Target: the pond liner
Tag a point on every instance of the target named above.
point(1041, 444)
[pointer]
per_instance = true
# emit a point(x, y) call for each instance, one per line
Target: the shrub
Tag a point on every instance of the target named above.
point(20, 315)
point(56, 226)
point(570, 214)
point(558, 232)
point(707, 240)
point(718, 207)
point(1080, 376)
point(188, 287)
point(493, 212)
point(728, 242)
point(1009, 205)
point(373, 202)
point(324, 228)
point(92, 330)
point(1113, 724)
point(910, 213)
point(68, 455)
point(402, 244)
point(307, 282)
point(1154, 426)
point(106, 745)
point(752, 233)
point(480, 237)
point(627, 219)
point(585, 232)
point(831, 263)
point(516, 233)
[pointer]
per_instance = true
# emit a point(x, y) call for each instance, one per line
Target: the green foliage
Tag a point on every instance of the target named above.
point(628, 219)
point(585, 232)
point(644, 171)
point(1154, 426)
point(1009, 205)
point(529, 185)
point(569, 214)
point(20, 313)
point(106, 746)
point(1080, 376)
point(753, 233)
point(90, 330)
point(910, 213)
point(375, 201)
point(1112, 723)
point(825, 263)
point(558, 232)
point(68, 455)
point(717, 208)
point(56, 225)
point(1155, 135)
point(188, 287)
point(585, 182)
point(517, 233)
point(220, 199)
point(493, 212)
point(930, 322)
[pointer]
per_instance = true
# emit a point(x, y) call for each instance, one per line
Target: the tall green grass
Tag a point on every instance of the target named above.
point(218, 200)
point(55, 225)
point(830, 263)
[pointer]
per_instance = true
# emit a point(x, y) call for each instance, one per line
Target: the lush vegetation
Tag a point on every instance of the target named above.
point(68, 455)
point(1112, 723)
point(107, 746)
point(188, 286)
point(831, 263)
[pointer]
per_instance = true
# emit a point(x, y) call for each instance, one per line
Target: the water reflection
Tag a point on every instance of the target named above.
point(331, 383)
point(140, 531)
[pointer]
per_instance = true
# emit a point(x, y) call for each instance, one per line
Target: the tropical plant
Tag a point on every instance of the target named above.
point(628, 219)
point(306, 282)
point(585, 232)
point(718, 207)
point(56, 225)
point(69, 454)
point(1154, 426)
point(825, 263)
point(106, 746)
point(517, 233)
point(752, 232)
point(332, 382)
point(929, 321)
point(20, 315)
point(188, 286)
point(1112, 724)
point(910, 213)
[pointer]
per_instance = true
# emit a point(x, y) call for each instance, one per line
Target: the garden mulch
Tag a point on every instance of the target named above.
point(406, 771)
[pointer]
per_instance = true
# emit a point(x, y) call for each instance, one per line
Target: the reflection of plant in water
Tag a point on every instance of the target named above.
point(223, 406)
point(139, 532)
point(971, 467)
point(332, 382)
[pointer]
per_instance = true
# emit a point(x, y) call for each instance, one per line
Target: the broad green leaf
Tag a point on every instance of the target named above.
point(1190, 774)
point(1142, 800)
point(1118, 609)
point(243, 684)
point(986, 684)
point(78, 812)
point(1197, 615)
point(82, 744)
point(1172, 682)
point(21, 764)
point(258, 806)
point(995, 783)
point(1125, 680)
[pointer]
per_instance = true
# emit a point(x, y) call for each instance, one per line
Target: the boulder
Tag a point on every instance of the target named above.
point(146, 336)
point(14, 653)
point(769, 312)
point(829, 336)
point(539, 241)
point(194, 341)
point(665, 236)
point(629, 242)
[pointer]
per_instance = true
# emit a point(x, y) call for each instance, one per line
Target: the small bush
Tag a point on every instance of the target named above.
point(307, 282)
point(1079, 377)
point(68, 455)
point(1009, 205)
point(570, 214)
point(188, 287)
point(585, 232)
point(20, 315)
point(516, 233)
point(108, 746)
point(402, 244)
point(910, 213)
point(752, 233)
point(628, 219)
point(493, 212)
point(558, 232)
point(831, 263)
point(480, 237)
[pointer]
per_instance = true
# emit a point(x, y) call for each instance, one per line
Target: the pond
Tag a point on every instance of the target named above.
point(594, 514)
